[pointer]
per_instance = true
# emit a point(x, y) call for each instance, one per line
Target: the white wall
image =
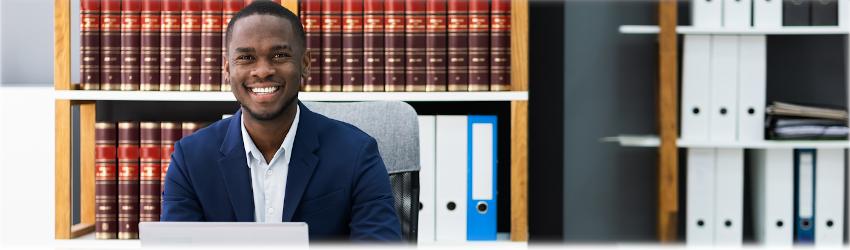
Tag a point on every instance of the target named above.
point(26, 42)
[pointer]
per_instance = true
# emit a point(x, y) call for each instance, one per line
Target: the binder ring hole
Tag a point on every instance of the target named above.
point(723, 111)
point(700, 223)
point(829, 223)
point(727, 223)
point(695, 110)
point(451, 206)
point(805, 223)
point(779, 223)
point(420, 206)
point(751, 111)
point(481, 207)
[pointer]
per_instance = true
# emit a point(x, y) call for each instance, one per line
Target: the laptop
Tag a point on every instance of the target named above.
point(222, 234)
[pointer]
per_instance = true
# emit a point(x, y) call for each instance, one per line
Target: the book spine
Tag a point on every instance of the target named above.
point(311, 19)
point(211, 46)
point(394, 45)
point(415, 43)
point(190, 45)
point(458, 29)
point(352, 46)
point(149, 180)
point(332, 45)
point(228, 10)
point(130, 44)
point(106, 182)
point(128, 180)
point(500, 45)
point(90, 44)
point(170, 46)
point(479, 45)
point(373, 45)
point(110, 45)
point(150, 44)
point(190, 127)
point(436, 52)
point(170, 133)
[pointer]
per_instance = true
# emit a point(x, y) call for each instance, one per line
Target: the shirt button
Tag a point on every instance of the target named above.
point(271, 210)
point(269, 172)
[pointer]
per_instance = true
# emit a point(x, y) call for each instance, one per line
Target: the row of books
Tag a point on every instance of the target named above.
point(764, 13)
point(787, 121)
point(374, 45)
point(131, 159)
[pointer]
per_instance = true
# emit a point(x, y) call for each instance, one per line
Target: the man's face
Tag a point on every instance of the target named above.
point(264, 64)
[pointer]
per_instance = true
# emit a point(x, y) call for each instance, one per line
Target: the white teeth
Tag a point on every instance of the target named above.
point(264, 90)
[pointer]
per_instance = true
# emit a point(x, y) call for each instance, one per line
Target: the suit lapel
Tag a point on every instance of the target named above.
point(234, 168)
point(303, 162)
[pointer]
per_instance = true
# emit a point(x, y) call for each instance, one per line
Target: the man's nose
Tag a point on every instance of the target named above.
point(263, 69)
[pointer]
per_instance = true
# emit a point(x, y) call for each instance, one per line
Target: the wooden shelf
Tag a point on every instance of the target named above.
point(97, 95)
point(652, 141)
point(689, 30)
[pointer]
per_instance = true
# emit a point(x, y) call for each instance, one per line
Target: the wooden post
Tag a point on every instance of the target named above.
point(519, 121)
point(667, 123)
point(62, 140)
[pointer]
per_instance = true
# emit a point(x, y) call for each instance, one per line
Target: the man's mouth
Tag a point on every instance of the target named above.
point(264, 90)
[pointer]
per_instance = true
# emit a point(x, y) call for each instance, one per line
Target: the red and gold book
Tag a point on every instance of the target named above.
point(131, 41)
point(458, 62)
point(228, 10)
point(90, 44)
point(436, 53)
point(311, 19)
point(190, 127)
point(110, 44)
point(150, 44)
point(373, 45)
point(149, 178)
point(332, 45)
point(352, 46)
point(394, 45)
point(415, 33)
point(169, 62)
point(479, 45)
point(190, 45)
point(500, 45)
point(128, 180)
point(105, 182)
point(170, 134)
point(211, 45)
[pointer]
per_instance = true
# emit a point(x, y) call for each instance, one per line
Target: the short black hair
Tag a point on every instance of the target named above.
point(268, 8)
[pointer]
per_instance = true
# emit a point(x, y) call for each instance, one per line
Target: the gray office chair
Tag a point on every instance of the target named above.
point(396, 128)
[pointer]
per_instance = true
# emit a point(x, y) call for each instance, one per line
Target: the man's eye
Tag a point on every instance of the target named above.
point(281, 55)
point(244, 58)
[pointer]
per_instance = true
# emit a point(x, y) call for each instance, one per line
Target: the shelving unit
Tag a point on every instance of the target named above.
point(650, 141)
point(65, 98)
point(689, 30)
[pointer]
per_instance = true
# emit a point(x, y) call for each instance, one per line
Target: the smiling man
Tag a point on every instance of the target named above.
point(275, 160)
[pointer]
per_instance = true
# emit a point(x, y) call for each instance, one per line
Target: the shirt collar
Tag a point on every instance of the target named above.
point(251, 150)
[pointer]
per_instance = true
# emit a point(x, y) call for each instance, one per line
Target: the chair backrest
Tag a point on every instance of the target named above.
point(395, 127)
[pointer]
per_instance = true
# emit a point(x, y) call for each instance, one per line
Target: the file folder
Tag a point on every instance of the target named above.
point(773, 204)
point(427, 182)
point(824, 12)
point(707, 13)
point(482, 209)
point(767, 13)
point(729, 196)
point(451, 176)
point(700, 196)
point(796, 12)
point(724, 88)
point(829, 197)
point(804, 195)
point(696, 78)
point(737, 13)
point(752, 87)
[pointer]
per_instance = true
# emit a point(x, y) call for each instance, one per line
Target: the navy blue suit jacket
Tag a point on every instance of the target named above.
point(337, 181)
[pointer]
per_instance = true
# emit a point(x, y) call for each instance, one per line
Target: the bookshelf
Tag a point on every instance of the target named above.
point(65, 98)
point(653, 141)
point(689, 30)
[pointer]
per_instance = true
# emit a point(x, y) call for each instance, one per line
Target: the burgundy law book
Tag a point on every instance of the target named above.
point(228, 10)
point(149, 178)
point(311, 19)
point(352, 46)
point(332, 45)
point(190, 127)
point(131, 41)
point(373, 45)
point(211, 45)
point(458, 78)
point(170, 133)
point(436, 53)
point(170, 46)
point(128, 180)
point(500, 45)
point(415, 43)
point(110, 44)
point(90, 44)
point(190, 45)
point(394, 45)
point(150, 44)
point(105, 182)
point(479, 45)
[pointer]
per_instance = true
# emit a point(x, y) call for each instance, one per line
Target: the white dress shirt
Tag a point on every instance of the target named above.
point(268, 180)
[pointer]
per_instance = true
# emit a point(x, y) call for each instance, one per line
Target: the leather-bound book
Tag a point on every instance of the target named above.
point(190, 45)
point(190, 127)
point(169, 60)
point(228, 10)
point(151, 20)
point(110, 44)
point(352, 45)
point(415, 43)
point(105, 182)
point(479, 45)
point(500, 45)
point(436, 51)
point(90, 44)
point(128, 180)
point(373, 45)
point(170, 133)
point(150, 155)
point(332, 45)
point(131, 42)
point(311, 19)
point(394, 45)
point(458, 29)
point(211, 45)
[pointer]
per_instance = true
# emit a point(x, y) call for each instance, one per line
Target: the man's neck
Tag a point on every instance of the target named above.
point(269, 135)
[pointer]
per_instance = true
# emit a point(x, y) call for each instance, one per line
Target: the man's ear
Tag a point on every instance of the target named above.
point(305, 63)
point(226, 73)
